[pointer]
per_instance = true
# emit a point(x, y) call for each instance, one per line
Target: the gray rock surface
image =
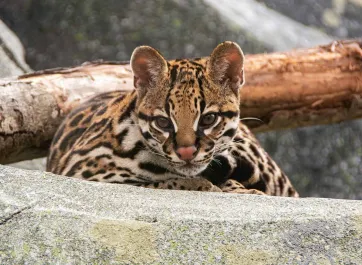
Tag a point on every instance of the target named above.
point(33, 164)
point(339, 18)
point(274, 30)
point(48, 219)
point(12, 62)
point(322, 161)
point(62, 33)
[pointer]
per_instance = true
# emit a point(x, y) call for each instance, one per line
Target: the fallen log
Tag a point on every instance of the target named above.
point(302, 87)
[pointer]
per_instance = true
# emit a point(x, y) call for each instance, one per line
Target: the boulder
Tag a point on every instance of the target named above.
point(341, 19)
point(49, 219)
point(275, 30)
point(12, 62)
point(64, 33)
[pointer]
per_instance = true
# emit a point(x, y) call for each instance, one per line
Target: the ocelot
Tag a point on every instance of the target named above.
point(179, 129)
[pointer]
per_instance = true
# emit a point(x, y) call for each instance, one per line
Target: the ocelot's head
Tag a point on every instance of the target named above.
point(188, 110)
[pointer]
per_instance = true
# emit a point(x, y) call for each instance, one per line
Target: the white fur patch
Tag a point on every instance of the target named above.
point(196, 123)
point(174, 123)
point(125, 124)
point(232, 124)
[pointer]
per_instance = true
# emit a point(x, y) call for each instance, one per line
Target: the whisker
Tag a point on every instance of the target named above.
point(251, 118)
point(154, 152)
point(217, 162)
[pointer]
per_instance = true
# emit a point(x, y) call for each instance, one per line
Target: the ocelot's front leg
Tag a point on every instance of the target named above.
point(234, 172)
point(201, 184)
point(195, 184)
point(247, 168)
point(232, 186)
point(247, 171)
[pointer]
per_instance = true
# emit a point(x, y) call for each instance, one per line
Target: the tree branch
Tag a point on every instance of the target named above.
point(302, 87)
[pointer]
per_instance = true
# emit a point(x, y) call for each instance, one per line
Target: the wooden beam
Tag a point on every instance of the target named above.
point(301, 87)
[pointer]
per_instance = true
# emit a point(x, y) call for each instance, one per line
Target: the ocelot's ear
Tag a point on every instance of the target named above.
point(226, 66)
point(148, 66)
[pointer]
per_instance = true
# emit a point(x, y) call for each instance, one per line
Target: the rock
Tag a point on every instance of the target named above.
point(49, 219)
point(33, 164)
point(110, 30)
point(274, 30)
point(341, 19)
point(321, 161)
point(12, 61)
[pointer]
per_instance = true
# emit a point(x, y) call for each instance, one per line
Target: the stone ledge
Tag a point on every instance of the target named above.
point(48, 219)
point(12, 61)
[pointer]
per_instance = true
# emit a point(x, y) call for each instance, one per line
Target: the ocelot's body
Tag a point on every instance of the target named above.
point(179, 129)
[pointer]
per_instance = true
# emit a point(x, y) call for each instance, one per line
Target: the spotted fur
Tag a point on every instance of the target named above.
point(134, 138)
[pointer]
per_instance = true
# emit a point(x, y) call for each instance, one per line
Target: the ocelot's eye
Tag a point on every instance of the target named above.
point(208, 120)
point(163, 123)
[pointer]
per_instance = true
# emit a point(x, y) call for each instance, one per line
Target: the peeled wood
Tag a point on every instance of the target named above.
point(32, 106)
point(285, 90)
point(304, 87)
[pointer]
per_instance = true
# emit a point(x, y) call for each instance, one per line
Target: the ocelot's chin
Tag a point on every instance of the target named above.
point(191, 170)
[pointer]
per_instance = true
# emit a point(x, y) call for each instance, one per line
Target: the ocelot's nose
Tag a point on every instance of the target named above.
point(186, 152)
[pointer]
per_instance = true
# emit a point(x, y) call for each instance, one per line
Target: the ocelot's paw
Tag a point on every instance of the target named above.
point(233, 186)
point(196, 184)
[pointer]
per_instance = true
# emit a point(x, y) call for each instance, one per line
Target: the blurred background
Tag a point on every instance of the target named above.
point(322, 161)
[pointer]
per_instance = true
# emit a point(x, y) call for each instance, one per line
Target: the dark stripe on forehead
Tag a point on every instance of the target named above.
point(200, 82)
point(229, 114)
point(171, 103)
point(173, 75)
point(197, 64)
point(202, 105)
point(145, 117)
point(167, 105)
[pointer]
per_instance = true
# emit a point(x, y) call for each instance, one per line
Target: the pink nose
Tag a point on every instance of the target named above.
point(187, 152)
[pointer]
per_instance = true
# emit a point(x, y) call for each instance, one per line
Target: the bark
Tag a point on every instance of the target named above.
point(285, 90)
point(304, 87)
point(32, 106)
